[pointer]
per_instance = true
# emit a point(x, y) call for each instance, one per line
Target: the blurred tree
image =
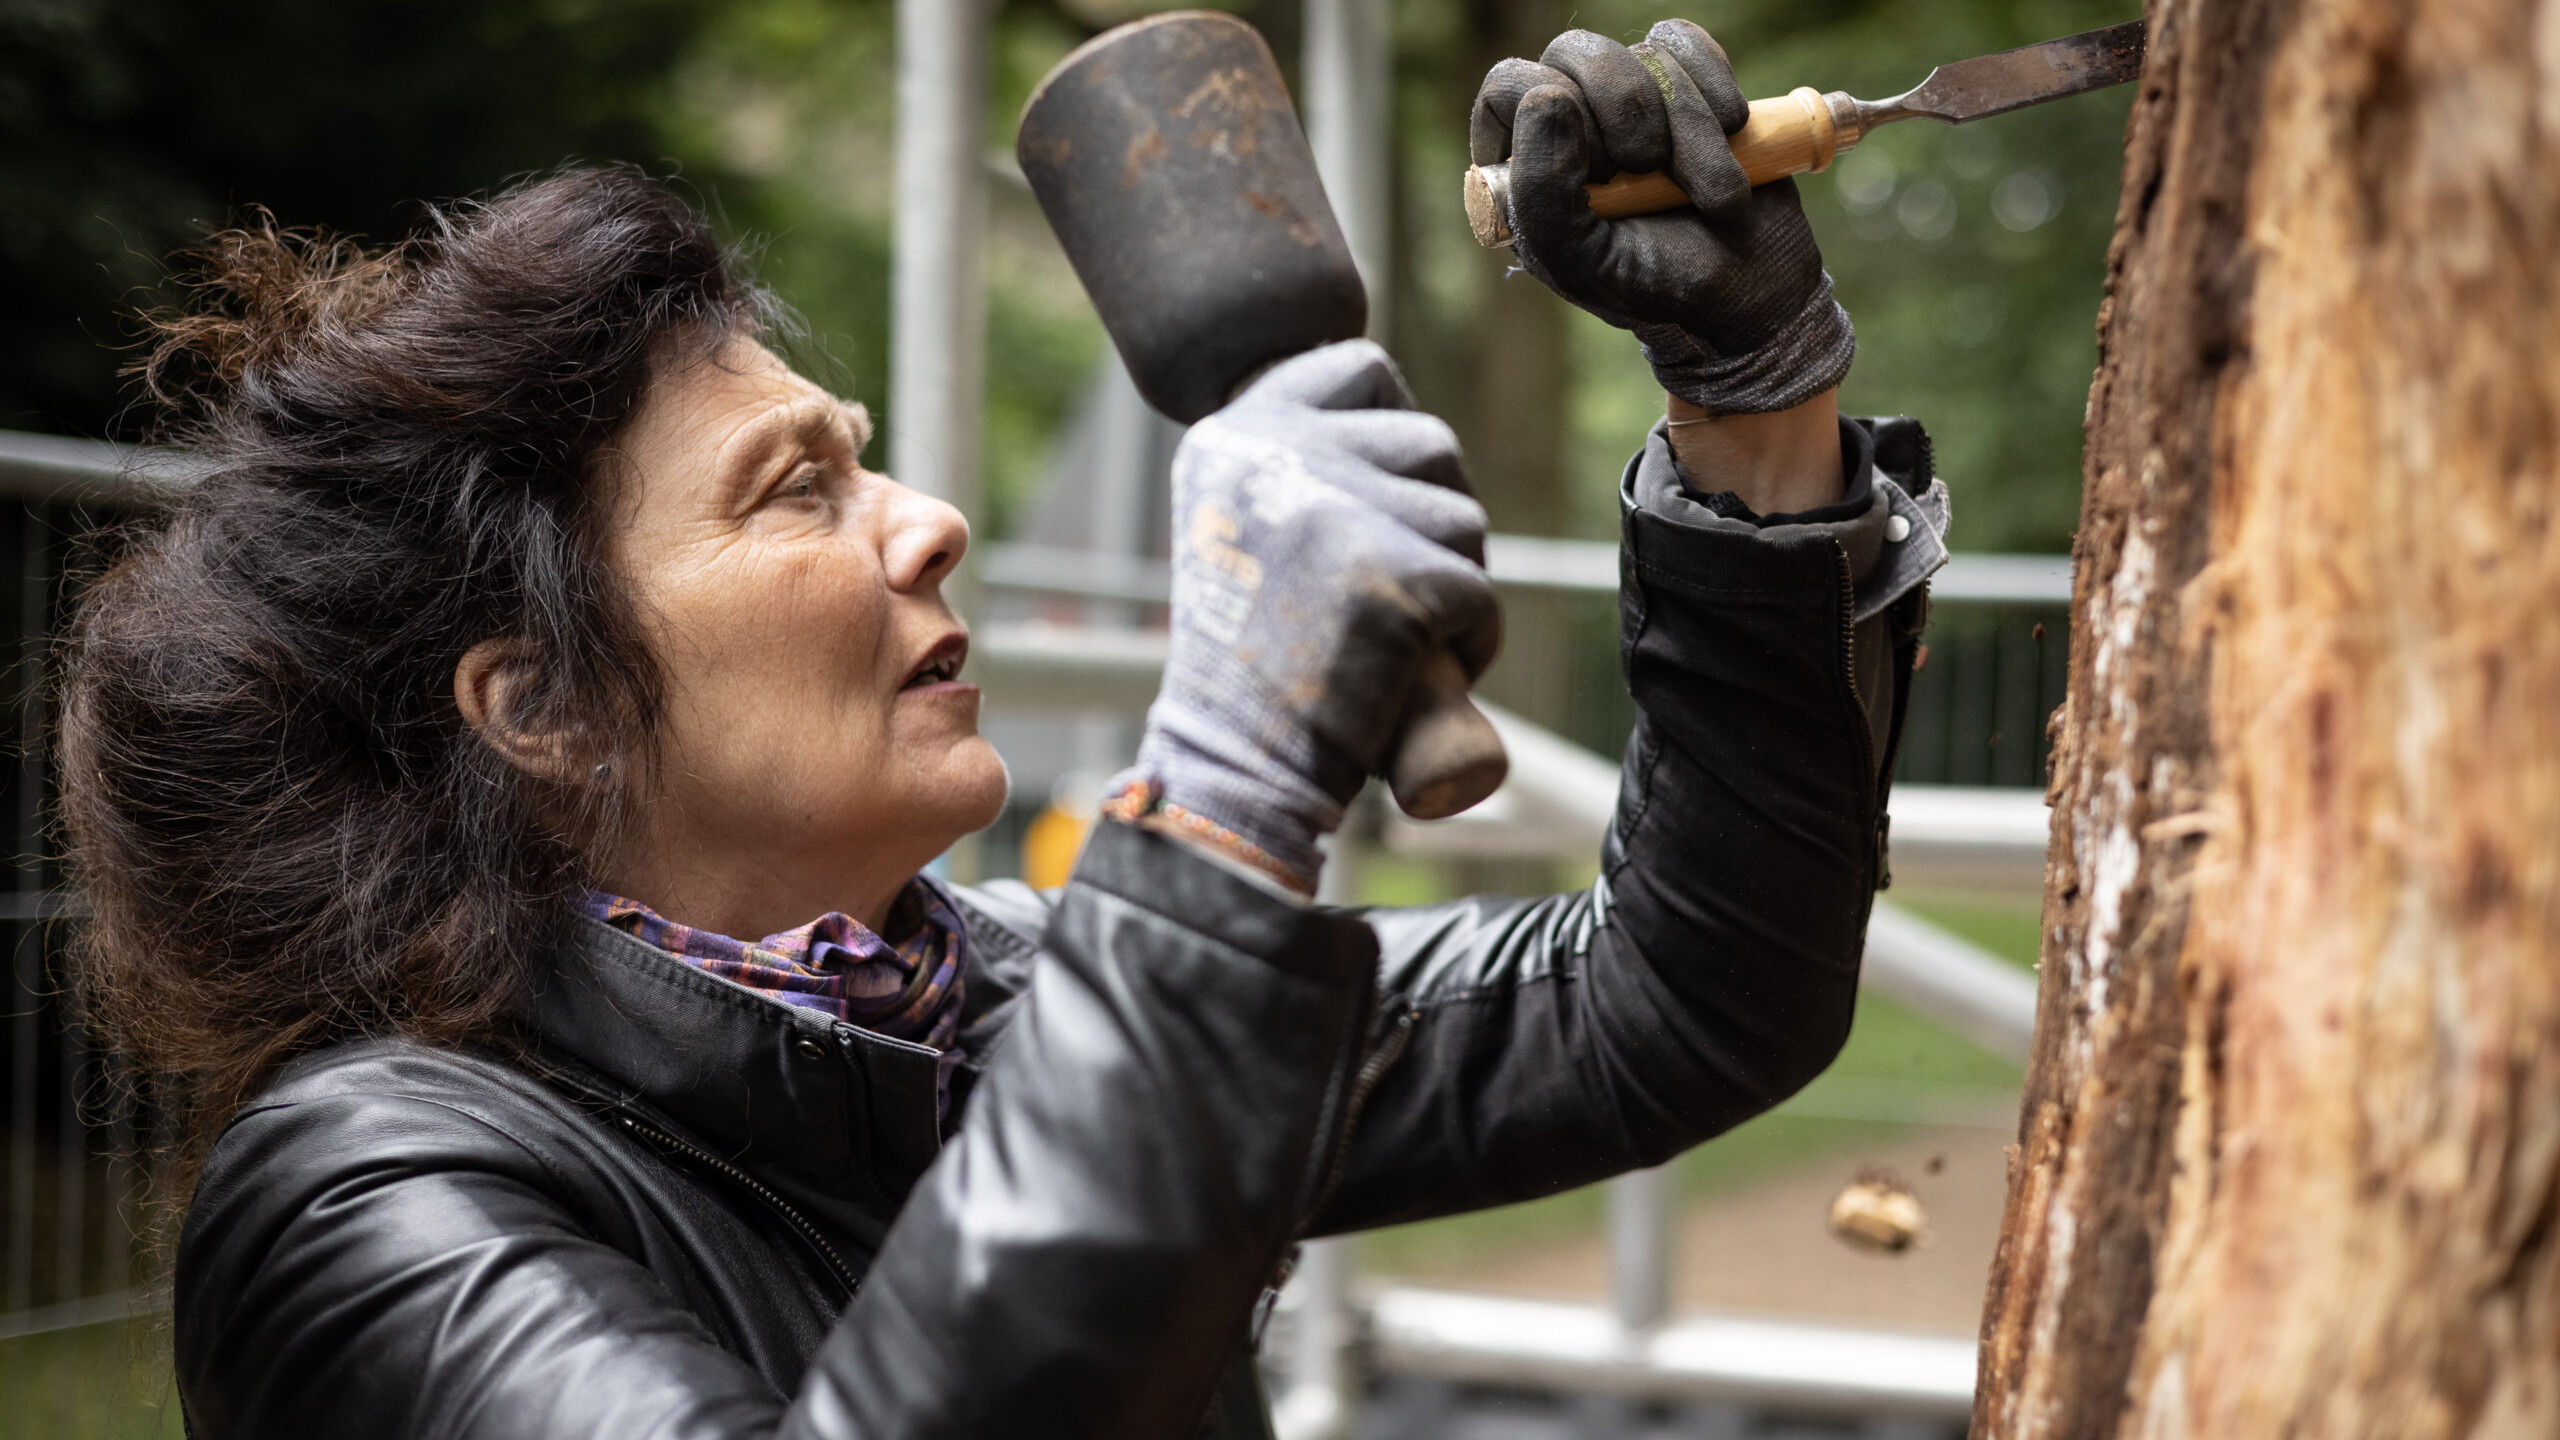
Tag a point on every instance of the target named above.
point(1971, 258)
point(1507, 395)
point(126, 126)
point(1485, 347)
point(129, 127)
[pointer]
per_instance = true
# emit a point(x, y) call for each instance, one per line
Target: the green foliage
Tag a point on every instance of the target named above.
point(2009, 926)
point(128, 126)
point(1971, 258)
point(109, 1381)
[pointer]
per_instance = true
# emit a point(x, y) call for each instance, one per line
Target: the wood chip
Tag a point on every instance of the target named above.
point(1876, 1211)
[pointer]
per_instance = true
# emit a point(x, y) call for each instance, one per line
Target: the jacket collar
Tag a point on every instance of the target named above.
point(839, 1120)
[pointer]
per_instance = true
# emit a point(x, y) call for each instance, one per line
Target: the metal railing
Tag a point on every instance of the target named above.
point(1520, 562)
point(1510, 1342)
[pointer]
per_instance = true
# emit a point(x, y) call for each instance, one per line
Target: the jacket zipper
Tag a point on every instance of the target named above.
point(1366, 1079)
point(1857, 702)
point(800, 1224)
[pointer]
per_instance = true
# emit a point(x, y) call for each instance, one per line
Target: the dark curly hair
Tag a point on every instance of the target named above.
point(285, 833)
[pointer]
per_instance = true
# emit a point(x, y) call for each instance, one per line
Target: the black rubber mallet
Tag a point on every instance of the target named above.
point(1169, 161)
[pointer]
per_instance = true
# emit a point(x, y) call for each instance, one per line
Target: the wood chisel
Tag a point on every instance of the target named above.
point(1804, 130)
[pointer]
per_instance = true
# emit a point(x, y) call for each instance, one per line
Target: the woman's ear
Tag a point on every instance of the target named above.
point(493, 685)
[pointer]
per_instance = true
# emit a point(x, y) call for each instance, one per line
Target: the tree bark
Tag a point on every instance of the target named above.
point(2290, 1157)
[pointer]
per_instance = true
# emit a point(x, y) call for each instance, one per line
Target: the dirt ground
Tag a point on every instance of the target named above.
point(1765, 1249)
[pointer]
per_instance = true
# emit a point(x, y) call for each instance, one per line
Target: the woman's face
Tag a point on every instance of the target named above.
point(818, 745)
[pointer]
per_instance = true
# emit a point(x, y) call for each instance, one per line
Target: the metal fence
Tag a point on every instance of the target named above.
point(77, 1142)
point(83, 1352)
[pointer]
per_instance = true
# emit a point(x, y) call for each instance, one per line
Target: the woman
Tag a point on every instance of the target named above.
point(539, 636)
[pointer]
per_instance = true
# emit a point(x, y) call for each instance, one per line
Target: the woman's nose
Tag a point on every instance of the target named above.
point(927, 537)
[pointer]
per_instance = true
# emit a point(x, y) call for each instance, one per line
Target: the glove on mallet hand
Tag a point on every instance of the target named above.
point(1325, 551)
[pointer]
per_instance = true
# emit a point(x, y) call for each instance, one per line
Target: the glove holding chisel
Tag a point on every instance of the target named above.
point(1728, 295)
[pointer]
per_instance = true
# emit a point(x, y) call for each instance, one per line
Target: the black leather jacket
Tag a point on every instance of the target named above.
point(679, 1209)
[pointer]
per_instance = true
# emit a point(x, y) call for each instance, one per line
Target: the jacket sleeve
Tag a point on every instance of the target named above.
point(1156, 1125)
point(1712, 969)
point(1082, 1260)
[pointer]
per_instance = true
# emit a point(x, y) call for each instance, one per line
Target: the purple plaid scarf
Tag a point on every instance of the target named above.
point(907, 991)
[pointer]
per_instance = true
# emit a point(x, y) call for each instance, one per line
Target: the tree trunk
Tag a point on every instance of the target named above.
point(2290, 1158)
point(1513, 422)
point(1513, 419)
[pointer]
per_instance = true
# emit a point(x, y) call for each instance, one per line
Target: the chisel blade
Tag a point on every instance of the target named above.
point(2029, 75)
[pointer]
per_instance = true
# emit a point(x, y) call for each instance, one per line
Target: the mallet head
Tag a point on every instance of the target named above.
point(1167, 158)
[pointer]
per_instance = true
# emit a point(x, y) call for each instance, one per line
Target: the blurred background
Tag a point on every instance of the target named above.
point(1971, 259)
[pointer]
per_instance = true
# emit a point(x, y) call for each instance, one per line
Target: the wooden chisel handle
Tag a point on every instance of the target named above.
point(1796, 133)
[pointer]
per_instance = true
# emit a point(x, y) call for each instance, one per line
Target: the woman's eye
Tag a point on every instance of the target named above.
point(801, 486)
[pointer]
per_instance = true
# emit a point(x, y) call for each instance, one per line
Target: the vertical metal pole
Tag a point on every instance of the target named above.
point(71, 1193)
point(1323, 1395)
point(1348, 68)
point(938, 299)
point(1322, 1398)
point(117, 1235)
point(1350, 78)
point(70, 1144)
point(1643, 1211)
point(1123, 463)
point(1125, 448)
point(937, 322)
point(26, 960)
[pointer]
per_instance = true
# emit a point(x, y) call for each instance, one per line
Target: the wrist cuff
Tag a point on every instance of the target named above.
point(1809, 356)
point(1142, 803)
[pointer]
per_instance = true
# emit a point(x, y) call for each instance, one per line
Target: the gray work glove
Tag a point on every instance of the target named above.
point(1728, 297)
point(1324, 543)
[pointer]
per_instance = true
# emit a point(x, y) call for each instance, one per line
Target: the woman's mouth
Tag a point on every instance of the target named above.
point(940, 664)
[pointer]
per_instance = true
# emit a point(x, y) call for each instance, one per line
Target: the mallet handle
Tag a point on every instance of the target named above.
point(1793, 134)
point(1448, 756)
